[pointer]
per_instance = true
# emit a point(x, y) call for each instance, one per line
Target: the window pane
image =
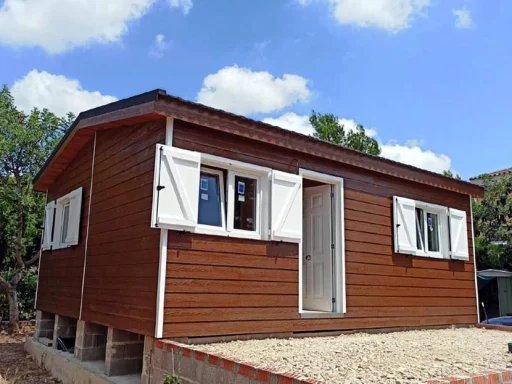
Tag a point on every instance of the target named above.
point(209, 200)
point(245, 203)
point(420, 229)
point(433, 232)
point(65, 223)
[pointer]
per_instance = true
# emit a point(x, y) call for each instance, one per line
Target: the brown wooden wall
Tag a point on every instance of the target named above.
point(121, 274)
point(61, 270)
point(222, 286)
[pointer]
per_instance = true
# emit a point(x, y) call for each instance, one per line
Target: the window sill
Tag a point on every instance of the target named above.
point(320, 315)
point(205, 230)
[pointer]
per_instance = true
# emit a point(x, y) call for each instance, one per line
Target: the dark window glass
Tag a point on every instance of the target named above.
point(245, 203)
point(420, 229)
point(65, 223)
point(433, 232)
point(209, 200)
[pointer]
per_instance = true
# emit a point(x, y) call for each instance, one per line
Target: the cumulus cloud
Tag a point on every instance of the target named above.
point(56, 92)
point(61, 25)
point(410, 153)
point(292, 122)
point(390, 15)
point(159, 46)
point(463, 18)
point(243, 91)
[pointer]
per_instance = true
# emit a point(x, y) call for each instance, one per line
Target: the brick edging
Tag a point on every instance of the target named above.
point(493, 376)
point(232, 365)
point(494, 327)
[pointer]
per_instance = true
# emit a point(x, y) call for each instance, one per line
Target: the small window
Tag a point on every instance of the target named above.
point(245, 203)
point(211, 198)
point(427, 231)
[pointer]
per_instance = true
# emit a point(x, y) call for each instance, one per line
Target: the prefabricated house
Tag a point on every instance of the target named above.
point(169, 219)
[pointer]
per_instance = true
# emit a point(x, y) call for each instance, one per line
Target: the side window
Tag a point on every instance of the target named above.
point(429, 230)
point(68, 210)
point(246, 203)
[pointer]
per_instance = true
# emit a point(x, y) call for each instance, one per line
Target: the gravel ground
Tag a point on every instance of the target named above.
point(400, 357)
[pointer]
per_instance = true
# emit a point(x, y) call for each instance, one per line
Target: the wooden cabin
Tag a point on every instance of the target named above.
point(169, 219)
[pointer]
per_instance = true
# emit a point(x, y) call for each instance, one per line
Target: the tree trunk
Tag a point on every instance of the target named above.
point(14, 310)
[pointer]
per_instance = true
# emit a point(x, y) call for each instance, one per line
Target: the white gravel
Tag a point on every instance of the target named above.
point(400, 357)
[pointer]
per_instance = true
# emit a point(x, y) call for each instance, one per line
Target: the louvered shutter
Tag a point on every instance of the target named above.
point(177, 189)
point(459, 235)
point(286, 207)
point(48, 225)
point(75, 210)
point(405, 225)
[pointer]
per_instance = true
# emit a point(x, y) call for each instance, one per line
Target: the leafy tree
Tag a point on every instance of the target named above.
point(449, 173)
point(493, 224)
point(328, 128)
point(26, 141)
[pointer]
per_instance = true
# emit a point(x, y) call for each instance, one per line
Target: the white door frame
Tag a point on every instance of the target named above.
point(339, 239)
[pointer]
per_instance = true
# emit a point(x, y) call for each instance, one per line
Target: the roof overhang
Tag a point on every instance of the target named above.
point(157, 104)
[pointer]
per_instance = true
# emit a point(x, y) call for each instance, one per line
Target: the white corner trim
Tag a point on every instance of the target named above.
point(88, 225)
point(339, 262)
point(474, 260)
point(162, 275)
point(169, 131)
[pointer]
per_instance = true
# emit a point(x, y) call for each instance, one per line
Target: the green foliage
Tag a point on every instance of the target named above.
point(493, 224)
point(27, 294)
point(449, 173)
point(26, 141)
point(172, 379)
point(328, 128)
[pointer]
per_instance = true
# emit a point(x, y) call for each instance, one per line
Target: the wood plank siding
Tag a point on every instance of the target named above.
point(224, 286)
point(61, 270)
point(121, 273)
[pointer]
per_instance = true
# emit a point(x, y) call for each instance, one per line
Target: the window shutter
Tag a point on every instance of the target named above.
point(177, 188)
point(286, 208)
point(459, 234)
point(48, 225)
point(405, 225)
point(75, 210)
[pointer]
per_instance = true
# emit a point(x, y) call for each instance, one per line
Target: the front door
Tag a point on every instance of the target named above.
point(316, 249)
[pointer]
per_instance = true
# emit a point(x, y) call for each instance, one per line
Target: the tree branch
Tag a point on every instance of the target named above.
point(4, 283)
point(28, 263)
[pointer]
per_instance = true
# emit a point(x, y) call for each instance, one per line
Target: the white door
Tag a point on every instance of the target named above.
point(316, 249)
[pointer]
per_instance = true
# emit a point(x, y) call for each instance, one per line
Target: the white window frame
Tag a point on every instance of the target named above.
point(222, 192)
point(239, 168)
point(60, 203)
point(442, 230)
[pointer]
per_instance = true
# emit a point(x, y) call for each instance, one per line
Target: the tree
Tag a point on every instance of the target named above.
point(26, 141)
point(449, 173)
point(493, 224)
point(328, 128)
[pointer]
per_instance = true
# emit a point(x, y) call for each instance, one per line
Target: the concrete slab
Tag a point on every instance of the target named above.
point(65, 367)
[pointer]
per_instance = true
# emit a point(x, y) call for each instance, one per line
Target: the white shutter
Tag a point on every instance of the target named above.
point(48, 225)
point(286, 208)
point(405, 225)
point(75, 210)
point(177, 188)
point(459, 234)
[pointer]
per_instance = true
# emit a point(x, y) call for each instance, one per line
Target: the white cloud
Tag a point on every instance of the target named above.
point(56, 92)
point(61, 25)
point(240, 90)
point(185, 5)
point(292, 122)
point(159, 46)
point(390, 15)
point(463, 18)
point(411, 153)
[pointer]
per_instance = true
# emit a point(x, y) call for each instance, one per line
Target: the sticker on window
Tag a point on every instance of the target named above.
point(204, 196)
point(241, 198)
point(204, 184)
point(430, 226)
point(241, 187)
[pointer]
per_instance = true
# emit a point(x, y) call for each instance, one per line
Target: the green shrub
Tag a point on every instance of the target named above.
point(172, 379)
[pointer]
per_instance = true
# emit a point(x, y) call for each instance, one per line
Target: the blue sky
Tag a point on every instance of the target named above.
point(425, 76)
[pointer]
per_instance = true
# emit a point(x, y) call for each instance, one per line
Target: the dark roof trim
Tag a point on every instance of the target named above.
point(495, 173)
point(115, 106)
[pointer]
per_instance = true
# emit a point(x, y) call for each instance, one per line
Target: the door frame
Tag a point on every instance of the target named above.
point(338, 225)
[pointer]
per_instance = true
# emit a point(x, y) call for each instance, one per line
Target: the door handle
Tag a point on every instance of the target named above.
point(307, 257)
